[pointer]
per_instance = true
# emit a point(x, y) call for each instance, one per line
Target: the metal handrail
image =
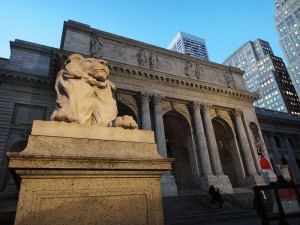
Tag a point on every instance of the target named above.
point(227, 197)
point(232, 199)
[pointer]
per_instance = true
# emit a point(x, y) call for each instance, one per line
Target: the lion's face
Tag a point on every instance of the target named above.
point(97, 68)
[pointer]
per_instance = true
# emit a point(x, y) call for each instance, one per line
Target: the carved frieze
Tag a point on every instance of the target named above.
point(146, 59)
point(153, 61)
point(188, 69)
point(198, 72)
point(195, 106)
point(229, 79)
point(96, 46)
point(193, 71)
point(141, 57)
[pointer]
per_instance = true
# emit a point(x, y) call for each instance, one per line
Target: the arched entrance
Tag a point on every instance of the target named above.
point(226, 147)
point(125, 110)
point(178, 142)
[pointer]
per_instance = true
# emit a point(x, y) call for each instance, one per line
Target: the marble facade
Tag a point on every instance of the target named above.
point(200, 117)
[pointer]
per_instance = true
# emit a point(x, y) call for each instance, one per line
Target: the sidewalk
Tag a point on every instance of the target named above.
point(250, 221)
point(240, 221)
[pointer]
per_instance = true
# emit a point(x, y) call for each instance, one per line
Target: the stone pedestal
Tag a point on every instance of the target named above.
point(78, 175)
point(264, 179)
point(168, 185)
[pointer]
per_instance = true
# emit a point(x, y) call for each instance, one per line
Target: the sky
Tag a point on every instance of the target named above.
point(224, 24)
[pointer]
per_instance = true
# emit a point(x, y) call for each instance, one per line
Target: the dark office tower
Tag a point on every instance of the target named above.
point(266, 75)
point(287, 19)
point(189, 45)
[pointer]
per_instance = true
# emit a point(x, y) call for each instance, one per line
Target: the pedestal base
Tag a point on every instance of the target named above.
point(264, 179)
point(98, 180)
point(222, 182)
point(168, 185)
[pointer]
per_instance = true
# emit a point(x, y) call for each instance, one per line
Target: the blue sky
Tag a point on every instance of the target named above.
point(224, 24)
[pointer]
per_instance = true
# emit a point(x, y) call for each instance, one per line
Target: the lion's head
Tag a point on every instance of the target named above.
point(79, 66)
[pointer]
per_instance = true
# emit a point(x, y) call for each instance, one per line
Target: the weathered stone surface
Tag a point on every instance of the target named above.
point(29, 58)
point(62, 129)
point(147, 56)
point(85, 95)
point(101, 182)
point(77, 42)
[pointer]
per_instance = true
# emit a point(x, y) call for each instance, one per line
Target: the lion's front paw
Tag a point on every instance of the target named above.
point(126, 122)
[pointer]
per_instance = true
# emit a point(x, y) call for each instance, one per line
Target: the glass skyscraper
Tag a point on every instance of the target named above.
point(266, 75)
point(189, 45)
point(287, 19)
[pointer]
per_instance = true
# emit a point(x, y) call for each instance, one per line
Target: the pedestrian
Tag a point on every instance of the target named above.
point(219, 197)
point(212, 192)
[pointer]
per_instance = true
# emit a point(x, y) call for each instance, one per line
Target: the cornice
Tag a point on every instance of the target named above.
point(162, 78)
point(276, 115)
point(127, 41)
point(23, 78)
point(182, 82)
point(31, 47)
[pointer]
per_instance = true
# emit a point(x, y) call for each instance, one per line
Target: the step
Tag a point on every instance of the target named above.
point(199, 209)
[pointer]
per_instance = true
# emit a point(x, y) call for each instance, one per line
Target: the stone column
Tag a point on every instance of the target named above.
point(146, 121)
point(159, 125)
point(291, 157)
point(201, 141)
point(211, 141)
point(297, 139)
point(277, 158)
point(237, 114)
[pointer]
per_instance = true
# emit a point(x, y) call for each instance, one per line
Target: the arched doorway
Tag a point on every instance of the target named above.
point(226, 146)
point(178, 142)
point(125, 110)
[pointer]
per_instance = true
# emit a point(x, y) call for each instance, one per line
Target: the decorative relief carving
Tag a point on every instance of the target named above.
point(153, 61)
point(141, 57)
point(145, 59)
point(198, 72)
point(157, 98)
point(191, 71)
point(188, 69)
point(236, 112)
point(218, 112)
point(96, 46)
point(145, 97)
point(229, 79)
point(206, 106)
point(174, 106)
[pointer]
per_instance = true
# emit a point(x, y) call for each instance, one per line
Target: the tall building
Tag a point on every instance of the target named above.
point(190, 45)
point(266, 75)
point(287, 19)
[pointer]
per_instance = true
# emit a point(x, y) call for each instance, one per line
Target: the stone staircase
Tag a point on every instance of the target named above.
point(181, 210)
point(8, 209)
point(198, 209)
point(8, 204)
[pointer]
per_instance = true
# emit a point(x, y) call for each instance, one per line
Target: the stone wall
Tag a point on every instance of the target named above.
point(78, 37)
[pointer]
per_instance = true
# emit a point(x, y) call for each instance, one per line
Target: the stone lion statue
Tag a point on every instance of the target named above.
point(85, 96)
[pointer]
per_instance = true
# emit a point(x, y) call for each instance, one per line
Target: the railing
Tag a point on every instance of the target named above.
point(226, 197)
point(232, 199)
